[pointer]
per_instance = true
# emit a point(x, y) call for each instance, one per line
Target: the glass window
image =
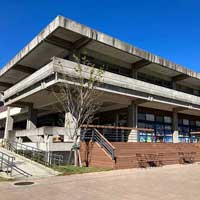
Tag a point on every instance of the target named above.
point(198, 123)
point(168, 129)
point(149, 125)
point(150, 117)
point(159, 129)
point(141, 116)
point(141, 125)
point(167, 119)
point(180, 121)
point(185, 122)
point(192, 123)
point(160, 119)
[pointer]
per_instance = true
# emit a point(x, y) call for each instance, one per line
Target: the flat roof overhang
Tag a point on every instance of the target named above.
point(37, 89)
point(62, 35)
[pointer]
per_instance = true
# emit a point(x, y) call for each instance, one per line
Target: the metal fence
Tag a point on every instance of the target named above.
point(6, 163)
point(38, 155)
point(120, 134)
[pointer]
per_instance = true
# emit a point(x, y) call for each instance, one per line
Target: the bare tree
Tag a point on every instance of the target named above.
point(79, 99)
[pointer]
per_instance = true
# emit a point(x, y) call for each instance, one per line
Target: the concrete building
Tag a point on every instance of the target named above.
point(140, 89)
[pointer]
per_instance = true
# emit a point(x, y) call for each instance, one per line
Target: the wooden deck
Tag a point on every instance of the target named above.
point(132, 155)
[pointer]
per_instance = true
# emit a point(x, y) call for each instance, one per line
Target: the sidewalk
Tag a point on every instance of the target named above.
point(171, 182)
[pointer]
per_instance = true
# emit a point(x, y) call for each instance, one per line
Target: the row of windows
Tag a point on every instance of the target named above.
point(166, 119)
point(162, 126)
point(141, 76)
point(154, 80)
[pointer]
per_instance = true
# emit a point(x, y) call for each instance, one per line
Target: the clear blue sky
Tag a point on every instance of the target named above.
point(169, 28)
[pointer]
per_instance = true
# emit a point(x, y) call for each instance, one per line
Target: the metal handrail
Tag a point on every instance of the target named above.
point(95, 136)
point(43, 157)
point(21, 171)
point(116, 127)
point(8, 162)
point(104, 138)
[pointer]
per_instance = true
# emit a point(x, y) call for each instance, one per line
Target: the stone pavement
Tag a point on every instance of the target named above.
point(35, 169)
point(165, 183)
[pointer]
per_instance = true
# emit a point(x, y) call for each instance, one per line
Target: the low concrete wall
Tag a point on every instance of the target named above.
point(42, 138)
point(43, 131)
point(61, 146)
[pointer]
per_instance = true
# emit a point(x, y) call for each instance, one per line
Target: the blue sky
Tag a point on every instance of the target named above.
point(168, 28)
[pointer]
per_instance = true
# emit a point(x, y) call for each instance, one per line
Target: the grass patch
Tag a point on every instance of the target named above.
point(70, 169)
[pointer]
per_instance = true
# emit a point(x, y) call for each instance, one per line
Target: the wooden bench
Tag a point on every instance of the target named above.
point(187, 157)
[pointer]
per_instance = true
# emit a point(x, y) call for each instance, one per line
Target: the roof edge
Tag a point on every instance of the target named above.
point(76, 27)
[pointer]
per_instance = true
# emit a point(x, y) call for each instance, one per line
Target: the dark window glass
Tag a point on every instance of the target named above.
point(160, 119)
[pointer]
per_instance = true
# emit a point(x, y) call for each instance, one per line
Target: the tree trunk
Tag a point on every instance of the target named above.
point(76, 155)
point(75, 158)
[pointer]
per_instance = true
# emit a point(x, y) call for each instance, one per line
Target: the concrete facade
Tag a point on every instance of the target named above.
point(133, 79)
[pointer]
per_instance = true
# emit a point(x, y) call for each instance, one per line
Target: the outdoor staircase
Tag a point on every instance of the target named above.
point(123, 155)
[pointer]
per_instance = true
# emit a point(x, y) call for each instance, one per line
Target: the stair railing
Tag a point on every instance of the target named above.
point(95, 136)
point(38, 155)
point(7, 162)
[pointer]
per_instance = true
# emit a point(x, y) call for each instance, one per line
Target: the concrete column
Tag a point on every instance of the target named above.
point(69, 121)
point(175, 126)
point(31, 118)
point(174, 85)
point(69, 125)
point(134, 73)
point(9, 124)
point(132, 121)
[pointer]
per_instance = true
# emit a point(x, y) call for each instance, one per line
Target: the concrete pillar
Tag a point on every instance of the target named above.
point(175, 126)
point(132, 121)
point(9, 124)
point(31, 118)
point(174, 85)
point(70, 125)
point(69, 120)
point(134, 73)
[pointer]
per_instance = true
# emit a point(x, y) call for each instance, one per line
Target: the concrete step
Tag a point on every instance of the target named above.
point(35, 169)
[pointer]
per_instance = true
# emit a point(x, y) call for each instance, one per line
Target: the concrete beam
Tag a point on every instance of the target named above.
point(137, 66)
point(179, 109)
point(82, 42)
point(24, 69)
point(76, 46)
point(21, 104)
point(6, 84)
point(56, 41)
point(180, 77)
point(140, 101)
point(140, 64)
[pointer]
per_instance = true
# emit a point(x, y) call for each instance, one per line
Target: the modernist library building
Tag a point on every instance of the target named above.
point(140, 90)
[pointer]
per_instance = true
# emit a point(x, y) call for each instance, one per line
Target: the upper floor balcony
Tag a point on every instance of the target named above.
point(51, 74)
point(62, 37)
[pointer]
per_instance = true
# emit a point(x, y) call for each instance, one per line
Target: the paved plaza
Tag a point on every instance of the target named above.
point(169, 182)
